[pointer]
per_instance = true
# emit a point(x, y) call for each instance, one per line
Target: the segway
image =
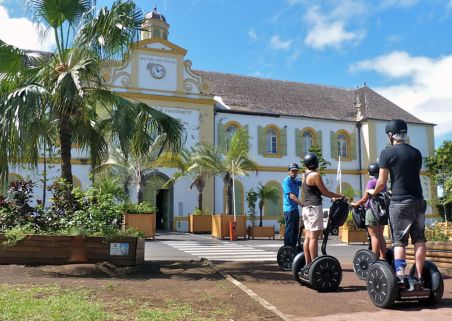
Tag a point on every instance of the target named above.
point(364, 258)
point(287, 253)
point(324, 274)
point(385, 287)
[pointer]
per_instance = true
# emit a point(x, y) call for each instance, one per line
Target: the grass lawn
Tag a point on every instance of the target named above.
point(20, 302)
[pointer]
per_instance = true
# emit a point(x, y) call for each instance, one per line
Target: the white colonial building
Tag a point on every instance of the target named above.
point(282, 118)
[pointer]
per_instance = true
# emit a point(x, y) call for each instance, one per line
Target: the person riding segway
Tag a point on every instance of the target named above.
point(322, 273)
point(364, 216)
point(291, 191)
point(387, 284)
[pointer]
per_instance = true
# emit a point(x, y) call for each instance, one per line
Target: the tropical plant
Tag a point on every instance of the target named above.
point(187, 169)
point(235, 162)
point(440, 167)
point(136, 167)
point(67, 86)
point(323, 164)
point(251, 199)
point(266, 193)
point(139, 208)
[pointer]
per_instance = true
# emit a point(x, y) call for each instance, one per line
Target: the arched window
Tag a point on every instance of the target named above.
point(230, 131)
point(342, 145)
point(272, 141)
point(307, 142)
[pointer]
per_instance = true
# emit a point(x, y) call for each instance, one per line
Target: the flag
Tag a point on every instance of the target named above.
point(339, 172)
point(339, 175)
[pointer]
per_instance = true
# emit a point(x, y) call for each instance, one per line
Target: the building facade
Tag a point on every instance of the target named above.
point(284, 119)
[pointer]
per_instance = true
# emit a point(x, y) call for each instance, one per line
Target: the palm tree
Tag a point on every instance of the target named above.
point(197, 174)
point(266, 193)
point(69, 81)
point(235, 162)
point(136, 167)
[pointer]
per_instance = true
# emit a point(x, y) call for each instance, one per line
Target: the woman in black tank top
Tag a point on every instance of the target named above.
point(312, 212)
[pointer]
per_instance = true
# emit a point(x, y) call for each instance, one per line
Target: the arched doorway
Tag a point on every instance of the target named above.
point(161, 197)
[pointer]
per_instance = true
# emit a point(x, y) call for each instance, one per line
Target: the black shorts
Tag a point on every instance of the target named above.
point(407, 219)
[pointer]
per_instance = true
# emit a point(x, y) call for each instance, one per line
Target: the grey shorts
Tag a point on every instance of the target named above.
point(407, 219)
point(312, 218)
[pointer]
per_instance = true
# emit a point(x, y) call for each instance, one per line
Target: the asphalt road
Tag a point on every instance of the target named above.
point(253, 264)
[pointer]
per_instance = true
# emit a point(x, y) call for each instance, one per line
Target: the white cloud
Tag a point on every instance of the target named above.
point(252, 34)
point(422, 85)
point(22, 33)
point(277, 43)
point(384, 4)
point(328, 31)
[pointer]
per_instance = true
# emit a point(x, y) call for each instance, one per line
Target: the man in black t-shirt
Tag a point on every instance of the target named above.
point(407, 209)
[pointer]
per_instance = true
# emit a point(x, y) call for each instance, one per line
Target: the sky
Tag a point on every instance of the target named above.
point(400, 48)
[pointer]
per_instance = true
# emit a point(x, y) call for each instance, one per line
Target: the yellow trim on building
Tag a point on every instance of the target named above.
point(311, 131)
point(168, 98)
point(278, 141)
point(346, 134)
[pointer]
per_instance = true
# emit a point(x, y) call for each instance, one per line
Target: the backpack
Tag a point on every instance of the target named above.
point(359, 216)
point(339, 212)
point(379, 206)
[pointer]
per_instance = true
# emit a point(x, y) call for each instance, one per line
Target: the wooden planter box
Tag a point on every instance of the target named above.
point(220, 226)
point(142, 222)
point(261, 231)
point(282, 230)
point(58, 250)
point(200, 223)
point(439, 252)
point(347, 236)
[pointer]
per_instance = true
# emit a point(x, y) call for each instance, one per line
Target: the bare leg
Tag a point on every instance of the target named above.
point(313, 245)
point(374, 240)
point(306, 243)
point(420, 251)
point(382, 242)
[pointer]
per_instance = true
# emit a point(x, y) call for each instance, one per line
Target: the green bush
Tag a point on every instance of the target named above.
point(139, 208)
point(197, 211)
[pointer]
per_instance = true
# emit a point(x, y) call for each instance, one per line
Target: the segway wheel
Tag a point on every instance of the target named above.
point(433, 280)
point(325, 274)
point(382, 285)
point(298, 263)
point(285, 257)
point(362, 261)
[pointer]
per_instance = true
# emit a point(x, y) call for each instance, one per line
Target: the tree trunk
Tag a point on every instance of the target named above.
point(228, 182)
point(200, 200)
point(66, 145)
point(260, 215)
point(140, 192)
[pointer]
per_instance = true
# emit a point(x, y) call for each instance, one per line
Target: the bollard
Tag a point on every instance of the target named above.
point(232, 231)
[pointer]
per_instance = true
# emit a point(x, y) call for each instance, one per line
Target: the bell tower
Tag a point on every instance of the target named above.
point(154, 25)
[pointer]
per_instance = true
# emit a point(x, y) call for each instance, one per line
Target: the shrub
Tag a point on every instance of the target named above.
point(197, 211)
point(140, 208)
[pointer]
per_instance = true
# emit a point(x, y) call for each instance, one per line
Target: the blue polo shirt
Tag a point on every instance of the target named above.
point(290, 186)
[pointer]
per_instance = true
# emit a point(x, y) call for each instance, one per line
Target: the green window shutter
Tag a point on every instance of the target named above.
point(298, 142)
point(283, 141)
point(221, 137)
point(353, 146)
point(319, 139)
point(333, 142)
point(261, 140)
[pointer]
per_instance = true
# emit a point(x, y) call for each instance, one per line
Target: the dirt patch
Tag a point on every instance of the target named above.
point(151, 285)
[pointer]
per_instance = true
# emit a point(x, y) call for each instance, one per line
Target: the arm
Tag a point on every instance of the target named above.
point(319, 182)
point(295, 199)
point(381, 183)
point(362, 200)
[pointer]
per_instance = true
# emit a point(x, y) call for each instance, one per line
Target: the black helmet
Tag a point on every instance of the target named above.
point(373, 169)
point(396, 126)
point(293, 166)
point(311, 161)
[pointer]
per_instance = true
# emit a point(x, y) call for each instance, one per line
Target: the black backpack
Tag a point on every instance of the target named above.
point(339, 212)
point(359, 216)
point(379, 206)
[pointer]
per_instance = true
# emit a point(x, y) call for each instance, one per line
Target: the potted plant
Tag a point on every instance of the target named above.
point(264, 193)
point(349, 233)
point(140, 216)
point(251, 199)
point(200, 221)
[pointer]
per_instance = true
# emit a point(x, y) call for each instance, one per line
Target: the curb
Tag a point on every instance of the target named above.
point(268, 306)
